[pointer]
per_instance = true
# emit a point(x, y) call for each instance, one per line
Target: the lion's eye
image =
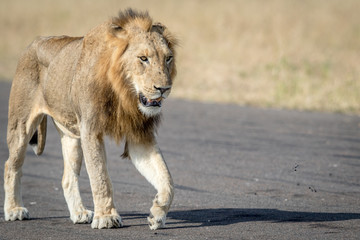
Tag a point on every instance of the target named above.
point(169, 59)
point(143, 58)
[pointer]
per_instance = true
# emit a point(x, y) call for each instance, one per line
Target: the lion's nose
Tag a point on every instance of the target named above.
point(162, 89)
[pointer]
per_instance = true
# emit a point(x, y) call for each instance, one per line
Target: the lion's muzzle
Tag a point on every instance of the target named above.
point(150, 102)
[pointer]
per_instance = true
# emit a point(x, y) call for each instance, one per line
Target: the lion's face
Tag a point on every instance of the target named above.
point(149, 64)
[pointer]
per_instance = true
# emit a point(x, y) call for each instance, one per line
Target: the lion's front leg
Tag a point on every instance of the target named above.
point(150, 163)
point(105, 214)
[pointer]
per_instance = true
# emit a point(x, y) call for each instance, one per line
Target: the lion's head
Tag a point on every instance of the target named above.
point(142, 59)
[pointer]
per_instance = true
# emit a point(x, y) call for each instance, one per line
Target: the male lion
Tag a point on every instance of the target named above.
point(110, 82)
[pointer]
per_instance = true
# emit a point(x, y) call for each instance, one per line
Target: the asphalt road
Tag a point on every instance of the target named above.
point(240, 173)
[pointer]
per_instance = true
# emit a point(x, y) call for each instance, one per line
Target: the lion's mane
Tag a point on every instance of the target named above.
point(113, 94)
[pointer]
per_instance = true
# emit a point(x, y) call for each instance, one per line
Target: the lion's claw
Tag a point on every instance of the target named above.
point(18, 213)
point(110, 221)
point(156, 223)
point(85, 216)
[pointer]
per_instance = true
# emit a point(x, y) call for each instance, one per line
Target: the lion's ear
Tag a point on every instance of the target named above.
point(161, 29)
point(117, 31)
point(116, 27)
point(158, 27)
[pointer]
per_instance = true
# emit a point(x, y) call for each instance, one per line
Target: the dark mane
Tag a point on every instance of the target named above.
point(113, 94)
point(118, 113)
point(141, 19)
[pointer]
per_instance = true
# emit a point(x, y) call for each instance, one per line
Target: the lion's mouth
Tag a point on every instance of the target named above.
point(150, 102)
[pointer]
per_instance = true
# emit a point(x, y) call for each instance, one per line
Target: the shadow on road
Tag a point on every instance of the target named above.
point(227, 216)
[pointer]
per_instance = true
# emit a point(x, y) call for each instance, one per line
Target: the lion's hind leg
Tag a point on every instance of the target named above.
point(18, 136)
point(25, 114)
point(13, 206)
point(72, 153)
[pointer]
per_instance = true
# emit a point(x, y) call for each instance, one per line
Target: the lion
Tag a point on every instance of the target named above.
point(110, 82)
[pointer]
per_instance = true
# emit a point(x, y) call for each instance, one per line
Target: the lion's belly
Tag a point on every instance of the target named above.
point(69, 128)
point(65, 119)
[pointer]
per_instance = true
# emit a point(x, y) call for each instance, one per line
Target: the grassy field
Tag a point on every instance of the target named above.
point(280, 53)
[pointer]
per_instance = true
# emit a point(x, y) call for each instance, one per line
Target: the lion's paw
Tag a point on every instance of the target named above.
point(106, 221)
point(156, 223)
point(17, 213)
point(84, 216)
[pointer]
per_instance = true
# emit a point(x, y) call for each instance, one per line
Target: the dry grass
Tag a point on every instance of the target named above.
point(279, 53)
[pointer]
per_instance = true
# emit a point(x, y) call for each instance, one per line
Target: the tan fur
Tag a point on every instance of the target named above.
point(110, 82)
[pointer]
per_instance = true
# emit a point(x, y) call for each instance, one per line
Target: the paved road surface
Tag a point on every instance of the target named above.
point(240, 173)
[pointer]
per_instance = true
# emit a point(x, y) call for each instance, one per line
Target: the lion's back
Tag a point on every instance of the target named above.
point(40, 54)
point(48, 48)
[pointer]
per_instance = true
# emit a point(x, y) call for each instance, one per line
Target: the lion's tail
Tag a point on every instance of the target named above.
point(37, 141)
